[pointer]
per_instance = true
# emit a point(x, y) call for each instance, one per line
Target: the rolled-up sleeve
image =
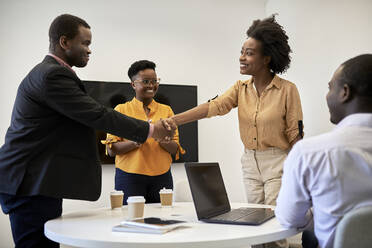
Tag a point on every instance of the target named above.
point(293, 114)
point(224, 103)
point(110, 139)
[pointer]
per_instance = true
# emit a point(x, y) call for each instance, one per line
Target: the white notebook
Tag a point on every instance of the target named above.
point(149, 225)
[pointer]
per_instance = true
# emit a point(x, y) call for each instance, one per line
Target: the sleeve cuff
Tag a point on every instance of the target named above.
point(292, 134)
point(108, 142)
point(212, 109)
point(179, 150)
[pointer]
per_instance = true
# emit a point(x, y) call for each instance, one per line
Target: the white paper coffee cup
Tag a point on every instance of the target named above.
point(136, 205)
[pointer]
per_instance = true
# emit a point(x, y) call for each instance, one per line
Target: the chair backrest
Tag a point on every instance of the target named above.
point(182, 192)
point(355, 229)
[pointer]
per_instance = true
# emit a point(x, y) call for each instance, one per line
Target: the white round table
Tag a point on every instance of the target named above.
point(93, 228)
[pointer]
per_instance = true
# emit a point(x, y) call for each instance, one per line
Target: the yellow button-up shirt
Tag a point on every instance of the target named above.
point(269, 120)
point(150, 158)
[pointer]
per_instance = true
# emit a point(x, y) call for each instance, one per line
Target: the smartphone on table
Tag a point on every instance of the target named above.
point(154, 223)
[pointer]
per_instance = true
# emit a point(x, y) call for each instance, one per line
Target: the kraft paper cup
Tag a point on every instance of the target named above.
point(116, 198)
point(136, 205)
point(166, 197)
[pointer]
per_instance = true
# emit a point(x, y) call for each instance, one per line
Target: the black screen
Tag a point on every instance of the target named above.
point(207, 188)
point(179, 97)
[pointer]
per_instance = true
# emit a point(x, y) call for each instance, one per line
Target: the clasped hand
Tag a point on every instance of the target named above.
point(164, 130)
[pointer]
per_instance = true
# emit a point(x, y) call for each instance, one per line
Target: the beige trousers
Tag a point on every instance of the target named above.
point(262, 177)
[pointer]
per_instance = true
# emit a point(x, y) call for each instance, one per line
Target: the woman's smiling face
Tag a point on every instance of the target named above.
point(251, 58)
point(145, 84)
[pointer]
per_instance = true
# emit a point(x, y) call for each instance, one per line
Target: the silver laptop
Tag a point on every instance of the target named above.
point(211, 201)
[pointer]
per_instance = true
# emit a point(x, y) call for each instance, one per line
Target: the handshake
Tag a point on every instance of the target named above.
point(164, 130)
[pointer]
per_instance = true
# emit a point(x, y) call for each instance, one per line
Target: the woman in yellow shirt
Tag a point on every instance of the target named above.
point(143, 169)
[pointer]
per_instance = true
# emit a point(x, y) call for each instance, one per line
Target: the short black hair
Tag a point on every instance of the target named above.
point(274, 42)
point(357, 73)
point(64, 25)
point(140, 66)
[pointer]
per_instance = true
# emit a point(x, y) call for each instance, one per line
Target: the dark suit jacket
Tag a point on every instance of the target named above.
point(50, 147)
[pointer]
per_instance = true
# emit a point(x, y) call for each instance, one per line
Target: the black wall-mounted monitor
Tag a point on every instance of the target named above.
point(179, 97)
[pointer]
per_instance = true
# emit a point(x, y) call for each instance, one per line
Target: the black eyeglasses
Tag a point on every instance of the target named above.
point(149, 81)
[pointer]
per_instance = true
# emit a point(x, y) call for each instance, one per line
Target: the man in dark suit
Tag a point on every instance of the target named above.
point(50, 151)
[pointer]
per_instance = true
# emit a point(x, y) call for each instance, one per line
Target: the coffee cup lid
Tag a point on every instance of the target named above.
point(165, 191)
point(134, 199)
point(117, 192)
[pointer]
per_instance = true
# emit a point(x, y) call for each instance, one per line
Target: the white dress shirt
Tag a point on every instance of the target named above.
point(332, 173)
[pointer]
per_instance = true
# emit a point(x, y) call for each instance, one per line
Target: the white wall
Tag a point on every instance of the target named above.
point(192, 42)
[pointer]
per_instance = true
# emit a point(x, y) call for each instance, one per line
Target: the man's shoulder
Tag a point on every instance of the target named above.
point(315, 143)
point(339, 139)
point(308, 153)
point(48, 66)
point(35, 78)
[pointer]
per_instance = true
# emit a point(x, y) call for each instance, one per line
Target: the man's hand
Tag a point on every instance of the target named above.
point(170, 123)
point(164, 130)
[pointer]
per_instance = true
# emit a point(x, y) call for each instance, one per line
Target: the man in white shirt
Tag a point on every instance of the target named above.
point(332, 173)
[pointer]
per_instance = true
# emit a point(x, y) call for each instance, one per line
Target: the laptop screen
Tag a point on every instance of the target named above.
point(207, 188)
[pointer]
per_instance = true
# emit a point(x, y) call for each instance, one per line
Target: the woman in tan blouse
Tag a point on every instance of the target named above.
point(269, 109)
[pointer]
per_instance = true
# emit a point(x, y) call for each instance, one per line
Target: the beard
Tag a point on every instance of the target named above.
point(75, 58)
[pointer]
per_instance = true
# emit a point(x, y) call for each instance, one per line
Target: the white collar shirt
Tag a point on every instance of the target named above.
point(331, 173)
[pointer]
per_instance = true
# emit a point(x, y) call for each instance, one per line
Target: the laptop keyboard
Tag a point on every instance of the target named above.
point(235, 214)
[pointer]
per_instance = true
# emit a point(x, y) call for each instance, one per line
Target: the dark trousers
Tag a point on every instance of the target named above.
point(142, 185)
point(27, 215)
point(309, 239)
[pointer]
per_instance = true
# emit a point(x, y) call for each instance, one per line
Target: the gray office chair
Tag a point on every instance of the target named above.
point(355, 229)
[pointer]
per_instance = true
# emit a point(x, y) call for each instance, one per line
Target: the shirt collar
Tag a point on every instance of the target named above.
point(275, 82)
point(61, 62)
point(359, 119)
point(138, 103)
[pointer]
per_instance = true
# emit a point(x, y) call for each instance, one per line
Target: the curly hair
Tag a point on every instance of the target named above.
point(274, 42)
point(64, 25)
point(140, 66)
